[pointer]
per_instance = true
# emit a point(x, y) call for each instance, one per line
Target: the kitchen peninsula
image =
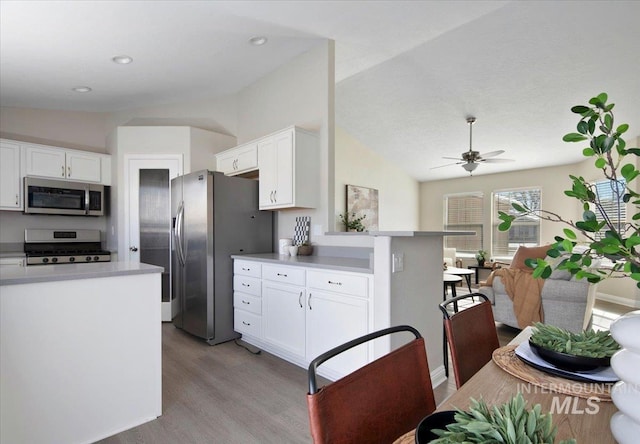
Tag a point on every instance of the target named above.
point(80, 351)
point(298, 307)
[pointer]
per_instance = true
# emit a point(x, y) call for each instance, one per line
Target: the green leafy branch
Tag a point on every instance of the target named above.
point(352, 222)
point(621, 239)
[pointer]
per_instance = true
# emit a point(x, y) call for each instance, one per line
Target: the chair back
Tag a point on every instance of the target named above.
point(378, 402)
point(471, 335)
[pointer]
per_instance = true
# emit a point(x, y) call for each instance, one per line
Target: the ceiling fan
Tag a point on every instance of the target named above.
point(470, 159)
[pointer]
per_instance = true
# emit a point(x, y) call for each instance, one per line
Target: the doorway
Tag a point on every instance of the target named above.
point(148, 215)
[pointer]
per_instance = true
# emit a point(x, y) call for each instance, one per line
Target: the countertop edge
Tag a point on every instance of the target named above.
point(53, 273)
point(354, 265)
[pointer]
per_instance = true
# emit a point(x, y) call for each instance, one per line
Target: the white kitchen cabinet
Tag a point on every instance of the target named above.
point(283, 308)
point(239, 160)
point(337, 312)
point(304, 312)
point(10, 177)
point(289, 169)
point(18, 261)
point(247, 298)
point(60, 163)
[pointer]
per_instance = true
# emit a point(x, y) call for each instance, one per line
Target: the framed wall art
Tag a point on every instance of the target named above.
point(363, 201)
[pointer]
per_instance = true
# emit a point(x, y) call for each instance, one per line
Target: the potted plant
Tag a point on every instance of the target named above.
point(607, 235)
point(352, 222)
point(481, 257)
point(305, 249)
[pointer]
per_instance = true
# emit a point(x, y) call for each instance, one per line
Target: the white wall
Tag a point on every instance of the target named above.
point(67, 129)
point(552, 181)
point(398, 193)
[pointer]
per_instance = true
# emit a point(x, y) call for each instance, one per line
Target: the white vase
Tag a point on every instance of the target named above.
point(625, 424)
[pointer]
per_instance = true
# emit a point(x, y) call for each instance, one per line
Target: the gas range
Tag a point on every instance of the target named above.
point(51, 247)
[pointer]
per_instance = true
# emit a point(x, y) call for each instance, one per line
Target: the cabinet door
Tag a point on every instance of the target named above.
point(333, 319)
point(283, 146)
point(10, 189)
point(226, 162)
point(45, 162)
point(268, 170)
point(84, 167)
point(283, 317)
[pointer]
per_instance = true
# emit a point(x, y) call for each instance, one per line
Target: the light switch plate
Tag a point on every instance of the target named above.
point(397, 262)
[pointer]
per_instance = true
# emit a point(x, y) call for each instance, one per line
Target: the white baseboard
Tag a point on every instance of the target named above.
point(438, 376)
point(618, 300)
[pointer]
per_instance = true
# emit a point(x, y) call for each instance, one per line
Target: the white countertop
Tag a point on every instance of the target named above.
point(48, 273)
point(334, 263)
point(401, 233)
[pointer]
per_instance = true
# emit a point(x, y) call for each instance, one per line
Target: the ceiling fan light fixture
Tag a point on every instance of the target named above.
point(470, 166)
point(258, 40)
point(81, 89)
point(122, 59)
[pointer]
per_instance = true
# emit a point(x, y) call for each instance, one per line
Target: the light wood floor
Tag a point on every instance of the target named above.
point(225, 394)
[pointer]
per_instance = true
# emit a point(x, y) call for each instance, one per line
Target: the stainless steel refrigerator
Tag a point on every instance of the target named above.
point(213, 217)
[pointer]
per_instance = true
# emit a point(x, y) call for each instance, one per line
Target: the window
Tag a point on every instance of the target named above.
point(464, 212)
point(525, 230)
point(610, 197)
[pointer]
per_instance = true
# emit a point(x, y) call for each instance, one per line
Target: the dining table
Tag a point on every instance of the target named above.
point(586, 419)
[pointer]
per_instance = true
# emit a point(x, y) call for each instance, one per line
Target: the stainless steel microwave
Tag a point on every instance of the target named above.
point(49, 196)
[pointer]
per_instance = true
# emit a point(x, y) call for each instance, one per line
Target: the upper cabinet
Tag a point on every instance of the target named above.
point(238, 160)
point(60, 163)
point(289, 169)
point(10, 175)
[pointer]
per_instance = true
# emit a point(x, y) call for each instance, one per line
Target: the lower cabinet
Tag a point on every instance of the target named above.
point(333, 319)
point(301, 313)
point(283, 314)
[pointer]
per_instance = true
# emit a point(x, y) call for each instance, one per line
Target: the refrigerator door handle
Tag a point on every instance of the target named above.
point(178, 233)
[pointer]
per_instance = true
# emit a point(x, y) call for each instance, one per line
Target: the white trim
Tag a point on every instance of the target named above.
point(438, 376)
point(618, 300)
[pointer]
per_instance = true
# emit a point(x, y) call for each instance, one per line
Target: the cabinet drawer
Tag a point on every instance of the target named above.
point(338, 283)
point(247, 323)
point(247, 284)
point(288, 275)
point(247, 268)
point(243, 301)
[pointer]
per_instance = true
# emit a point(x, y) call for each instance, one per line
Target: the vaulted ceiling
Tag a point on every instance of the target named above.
point(408, 73)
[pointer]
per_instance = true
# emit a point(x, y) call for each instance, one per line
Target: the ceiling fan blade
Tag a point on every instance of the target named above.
point(449, 164)
point(496, 160)
point(453, 158)
point(491, 153)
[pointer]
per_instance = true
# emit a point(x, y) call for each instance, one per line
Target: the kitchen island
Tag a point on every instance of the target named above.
point(80, 351)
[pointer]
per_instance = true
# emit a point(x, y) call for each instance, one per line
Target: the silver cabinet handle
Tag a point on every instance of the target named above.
point(245, 285)
point(246, 323)
point(309, 302)
point(281, 274)
point(275, 196)
point(134, 249)
point(300, 299)
point(246, 269)
point(17, 199)
point(334, 283)
point(69, 171)
point(245, 302)
point(62, 171)
point(271, 196)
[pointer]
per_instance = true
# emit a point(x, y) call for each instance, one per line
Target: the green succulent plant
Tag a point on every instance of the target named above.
point(621, 239)
point(588, 343)
point(509, 423)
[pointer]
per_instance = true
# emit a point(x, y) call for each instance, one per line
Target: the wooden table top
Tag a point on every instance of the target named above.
point(586, 420)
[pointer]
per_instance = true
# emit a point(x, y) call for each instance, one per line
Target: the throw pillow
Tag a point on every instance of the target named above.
point(524, 253)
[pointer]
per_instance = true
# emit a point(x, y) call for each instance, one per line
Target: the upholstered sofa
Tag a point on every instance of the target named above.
point(566, 302)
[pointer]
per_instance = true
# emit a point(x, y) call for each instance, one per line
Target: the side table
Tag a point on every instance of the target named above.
point(475, 268)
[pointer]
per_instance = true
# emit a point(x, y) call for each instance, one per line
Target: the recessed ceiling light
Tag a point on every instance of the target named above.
point(258, 40)
point(82, 89)
point(122, 59)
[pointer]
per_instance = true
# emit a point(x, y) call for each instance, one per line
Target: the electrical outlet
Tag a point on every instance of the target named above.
point(397, 262)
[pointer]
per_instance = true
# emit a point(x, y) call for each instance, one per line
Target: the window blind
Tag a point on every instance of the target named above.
point(464, 212)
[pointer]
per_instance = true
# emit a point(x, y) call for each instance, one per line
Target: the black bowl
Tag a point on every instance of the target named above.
point(569, 362)
point(438, 420)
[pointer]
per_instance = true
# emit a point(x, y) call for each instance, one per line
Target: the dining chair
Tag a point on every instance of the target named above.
point(376, 403)
point(471, 334)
